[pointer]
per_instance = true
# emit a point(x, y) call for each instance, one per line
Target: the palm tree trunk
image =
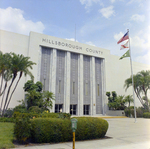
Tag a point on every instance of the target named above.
point(4, 88)
point(137, 94)
point(8, 94)
point(14, 89)
point(1, 86)
point(3, 95)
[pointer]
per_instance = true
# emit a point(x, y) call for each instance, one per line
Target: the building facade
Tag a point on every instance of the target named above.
point(78, 74)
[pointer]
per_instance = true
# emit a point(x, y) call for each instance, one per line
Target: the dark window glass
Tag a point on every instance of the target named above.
point(58, 108)
point(73, 109)
point(86, 109)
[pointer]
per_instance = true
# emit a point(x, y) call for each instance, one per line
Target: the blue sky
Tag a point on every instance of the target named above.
point(99, 23)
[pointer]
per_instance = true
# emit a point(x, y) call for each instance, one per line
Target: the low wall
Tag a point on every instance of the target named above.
point(115, 112)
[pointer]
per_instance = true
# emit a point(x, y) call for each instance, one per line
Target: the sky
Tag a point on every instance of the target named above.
point(99, 23)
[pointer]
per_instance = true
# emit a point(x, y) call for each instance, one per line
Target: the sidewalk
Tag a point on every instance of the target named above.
point(123, 133)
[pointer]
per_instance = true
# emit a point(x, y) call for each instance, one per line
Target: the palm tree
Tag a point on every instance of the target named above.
point(47, 98)
point(5, 74)
point(141, 85)
point(128, 99)
point(120, 102)
point(19, 64)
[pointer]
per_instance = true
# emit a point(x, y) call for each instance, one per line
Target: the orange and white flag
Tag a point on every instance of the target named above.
point(126, 45)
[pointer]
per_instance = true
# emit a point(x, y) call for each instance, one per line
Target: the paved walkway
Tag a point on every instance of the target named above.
point(123, 133)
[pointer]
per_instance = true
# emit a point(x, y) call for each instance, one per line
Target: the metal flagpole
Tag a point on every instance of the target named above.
point(132, 77)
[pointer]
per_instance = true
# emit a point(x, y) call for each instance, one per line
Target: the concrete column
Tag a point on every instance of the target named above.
point(80, 85)
point(67, 83)
point(39, 64)
point(93, 89)
point(53, 75)
point(104, 104)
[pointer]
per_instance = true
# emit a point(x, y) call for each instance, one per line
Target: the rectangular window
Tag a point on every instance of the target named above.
point(59, 85)
point(86, 89)
point(86, 109)
point(73, 88)
point(98, 89)
point(58, 108)
point(73, 109)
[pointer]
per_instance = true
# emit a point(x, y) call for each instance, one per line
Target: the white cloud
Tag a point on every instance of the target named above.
point(118, 36)
point(72, 39)
point(107, 12)
point(89, 3)
point(90, 43)
point(112, 1)
point(138, 18)
point(12, 20)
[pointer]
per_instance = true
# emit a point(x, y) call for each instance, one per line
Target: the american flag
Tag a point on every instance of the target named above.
point(125, 37)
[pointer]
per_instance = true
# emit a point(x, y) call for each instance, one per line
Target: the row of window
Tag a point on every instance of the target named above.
point(73, 88)
point(73, 109)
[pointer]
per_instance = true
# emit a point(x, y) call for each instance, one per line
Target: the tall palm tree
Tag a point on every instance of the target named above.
point(128, 99)
point(5, 74)
point(141, 85)
point(4, 70)
point(19, 64)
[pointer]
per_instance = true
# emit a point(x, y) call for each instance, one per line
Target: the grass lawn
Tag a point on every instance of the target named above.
point(6, 135)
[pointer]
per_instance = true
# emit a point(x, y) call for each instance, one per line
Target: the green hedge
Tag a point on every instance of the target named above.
point(7, 119)
point(47, 130)
point(146, 115)
point(91, 128)
point(43, 115)
point(130, 112)
point(25, 115)
point(22, 120)
point(22, 129)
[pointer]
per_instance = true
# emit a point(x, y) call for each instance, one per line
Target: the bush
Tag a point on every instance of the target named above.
point(25, 115)
point(20, 108)
point(47, 130)
point(22, 129)
point(91, 128)
point(46, 114)
point(34, 109)
point(7, 119)
point(146, 115)
point(8, 113)
point(130, 111)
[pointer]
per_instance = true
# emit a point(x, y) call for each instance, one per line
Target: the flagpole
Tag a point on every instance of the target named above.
point(132, 77)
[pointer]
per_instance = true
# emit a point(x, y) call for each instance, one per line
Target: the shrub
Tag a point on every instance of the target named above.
point(7, 119)
point(146, 115)
point(20, 108)
point(34, 109)
point(8, 113)
point(59, 130)
point(91, 128)
point(130, 111)
point(22, 129)
point(25, 115)
point(50, 130)
point(64, 115)
point(46, 114)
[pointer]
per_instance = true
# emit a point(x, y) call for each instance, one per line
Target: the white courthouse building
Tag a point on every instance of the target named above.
point(78, 74)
